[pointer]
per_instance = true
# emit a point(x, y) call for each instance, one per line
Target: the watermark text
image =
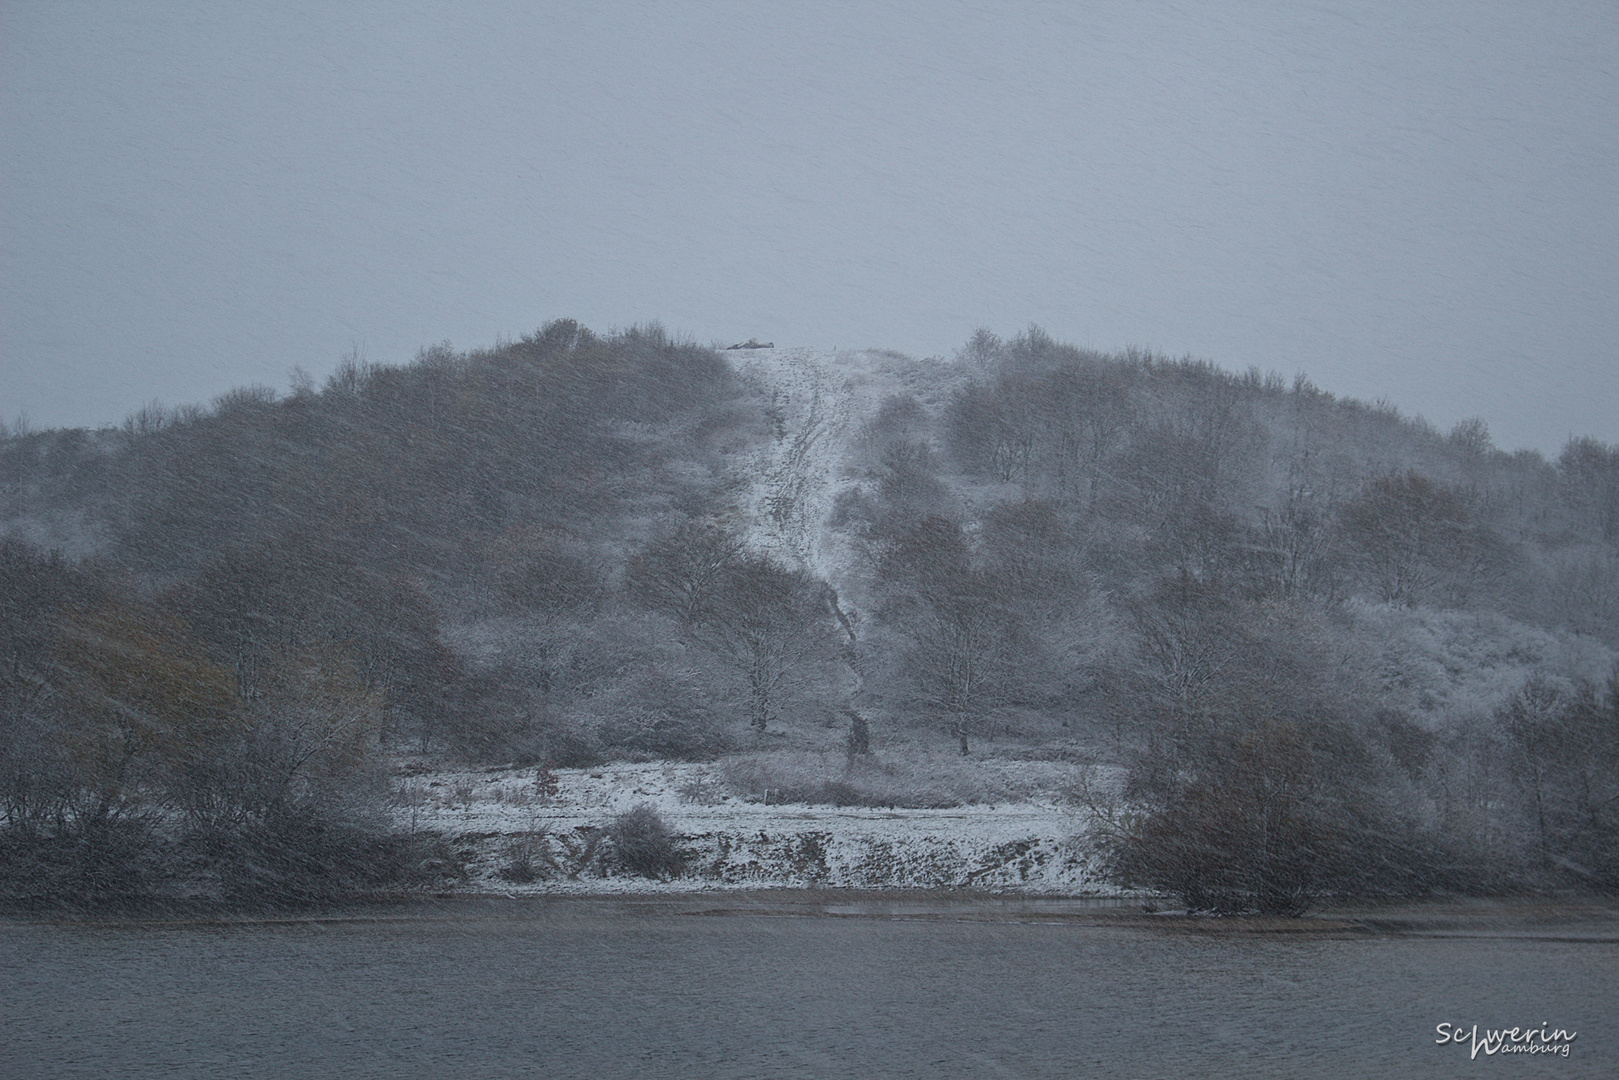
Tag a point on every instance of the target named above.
point(1513, 1040)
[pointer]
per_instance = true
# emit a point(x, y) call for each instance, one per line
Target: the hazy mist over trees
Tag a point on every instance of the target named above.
point(1329, 648)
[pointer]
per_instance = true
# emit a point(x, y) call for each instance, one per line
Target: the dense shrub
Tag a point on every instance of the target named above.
point(305, 855)
point(644, 845)
point(1268, 816)
point(108, 861)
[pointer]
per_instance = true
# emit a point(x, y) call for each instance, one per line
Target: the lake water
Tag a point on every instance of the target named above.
point(777, 987)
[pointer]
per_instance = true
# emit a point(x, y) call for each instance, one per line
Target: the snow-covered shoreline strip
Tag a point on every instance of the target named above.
point(514, 837)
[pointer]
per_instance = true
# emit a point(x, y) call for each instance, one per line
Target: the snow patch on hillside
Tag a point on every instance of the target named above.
point(818, 402)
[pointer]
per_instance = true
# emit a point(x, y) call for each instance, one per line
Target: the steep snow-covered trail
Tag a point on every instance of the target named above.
point(819, 401)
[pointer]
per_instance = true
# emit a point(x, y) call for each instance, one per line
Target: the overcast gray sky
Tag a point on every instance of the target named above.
point(1414, 201)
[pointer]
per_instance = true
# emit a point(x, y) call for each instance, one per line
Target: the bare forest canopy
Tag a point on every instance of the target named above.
point(1328, 648)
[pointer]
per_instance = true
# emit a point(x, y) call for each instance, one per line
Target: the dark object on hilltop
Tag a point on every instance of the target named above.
point(752, 343)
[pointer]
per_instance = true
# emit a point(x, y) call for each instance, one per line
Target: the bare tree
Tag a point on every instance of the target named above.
point(774, 628)
point(967, 642)
point(682, 574)
point(1589, 470)
point(1566, 756)
point(1408, 535)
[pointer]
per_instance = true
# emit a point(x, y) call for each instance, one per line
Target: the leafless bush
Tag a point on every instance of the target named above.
point(644, 844)
point(1265, 815)
point(528, 857)
point(702, 790)
point(662, 713)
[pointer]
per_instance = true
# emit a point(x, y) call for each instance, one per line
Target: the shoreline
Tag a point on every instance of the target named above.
point(1590, 920)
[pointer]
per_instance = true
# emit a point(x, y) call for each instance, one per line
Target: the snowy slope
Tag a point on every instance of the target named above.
point(820, 399)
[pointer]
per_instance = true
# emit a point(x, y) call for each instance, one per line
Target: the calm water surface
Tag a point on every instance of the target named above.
point(620, 989)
